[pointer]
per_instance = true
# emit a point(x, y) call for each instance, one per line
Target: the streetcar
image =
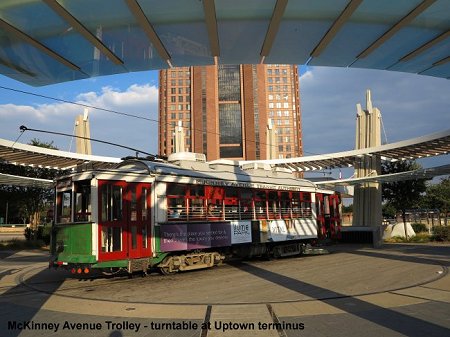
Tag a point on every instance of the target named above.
point(185, 213)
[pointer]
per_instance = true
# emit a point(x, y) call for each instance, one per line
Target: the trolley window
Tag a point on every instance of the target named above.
point(196, 202)
point(83, 200)
point(111, 203)
point(111, 239)
point(145, 214)
point(176, 202)
point(231, 203)
point(296, 205)
point(285, 205)
point(260, 204)
point(306, 204)
point(246, 204)
point(64, 209)
point(273, 205)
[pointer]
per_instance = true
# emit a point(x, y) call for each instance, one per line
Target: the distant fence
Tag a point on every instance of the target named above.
point(430, 217)
point(15, 225)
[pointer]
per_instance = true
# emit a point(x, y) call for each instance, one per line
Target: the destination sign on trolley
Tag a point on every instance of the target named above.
point(225, 183)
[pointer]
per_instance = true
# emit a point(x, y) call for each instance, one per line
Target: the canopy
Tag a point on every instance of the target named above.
point(48, 41)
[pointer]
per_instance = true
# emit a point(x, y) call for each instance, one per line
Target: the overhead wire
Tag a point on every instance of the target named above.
point(125, 114)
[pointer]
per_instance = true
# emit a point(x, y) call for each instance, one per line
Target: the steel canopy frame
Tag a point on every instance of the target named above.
point(79, 39)
point(420, 147)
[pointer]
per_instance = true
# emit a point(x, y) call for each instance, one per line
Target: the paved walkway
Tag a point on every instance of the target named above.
point(400, 290)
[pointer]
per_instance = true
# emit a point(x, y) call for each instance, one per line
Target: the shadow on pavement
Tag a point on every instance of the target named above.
point(445, 253)
point(20, 305)
point(390, 319)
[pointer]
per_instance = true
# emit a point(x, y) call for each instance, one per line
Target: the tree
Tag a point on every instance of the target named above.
point(26, 203)
point(402, 194)
point(438, 196)
point(388, 211)
point(347, 209)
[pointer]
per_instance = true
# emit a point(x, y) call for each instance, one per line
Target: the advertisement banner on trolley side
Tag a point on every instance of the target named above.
point(176, 237)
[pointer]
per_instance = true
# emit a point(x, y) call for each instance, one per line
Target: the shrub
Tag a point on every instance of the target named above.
point(419, 227)
point(39, 234)
point(441, 233)
point(420, 238)
point(46, 231)
point(396, 239)
point(16, 244)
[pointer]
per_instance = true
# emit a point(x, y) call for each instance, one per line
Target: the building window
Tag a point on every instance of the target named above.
point(230, 123)
point(231, 151)
point(229, 81)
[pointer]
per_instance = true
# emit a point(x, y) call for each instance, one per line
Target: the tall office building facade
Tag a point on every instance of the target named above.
point(243, 112)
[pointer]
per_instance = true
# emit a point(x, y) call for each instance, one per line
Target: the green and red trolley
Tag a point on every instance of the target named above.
point(185, 214)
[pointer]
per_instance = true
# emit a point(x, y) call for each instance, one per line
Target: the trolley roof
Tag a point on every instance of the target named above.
point(217, 173)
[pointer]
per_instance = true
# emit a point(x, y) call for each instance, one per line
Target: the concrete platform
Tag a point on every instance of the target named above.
point(400, 290)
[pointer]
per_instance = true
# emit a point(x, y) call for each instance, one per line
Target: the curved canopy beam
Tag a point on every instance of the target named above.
point(52, 41)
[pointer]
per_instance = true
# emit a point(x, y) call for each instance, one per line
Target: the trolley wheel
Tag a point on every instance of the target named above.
point(167, 271)
point(168, 266)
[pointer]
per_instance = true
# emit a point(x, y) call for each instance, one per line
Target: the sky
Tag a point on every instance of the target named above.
point(411, 106)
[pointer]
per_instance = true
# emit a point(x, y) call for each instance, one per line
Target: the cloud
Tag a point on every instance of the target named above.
point(140, 100)
point(411, 105)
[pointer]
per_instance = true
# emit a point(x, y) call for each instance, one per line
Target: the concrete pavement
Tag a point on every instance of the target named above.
point(400, 290)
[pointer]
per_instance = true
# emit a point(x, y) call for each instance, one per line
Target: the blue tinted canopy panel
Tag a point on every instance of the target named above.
point(51, 41)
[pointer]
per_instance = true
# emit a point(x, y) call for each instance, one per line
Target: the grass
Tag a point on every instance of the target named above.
point(422, 237)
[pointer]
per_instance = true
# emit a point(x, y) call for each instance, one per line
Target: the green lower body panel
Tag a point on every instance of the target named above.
point(73, 243)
